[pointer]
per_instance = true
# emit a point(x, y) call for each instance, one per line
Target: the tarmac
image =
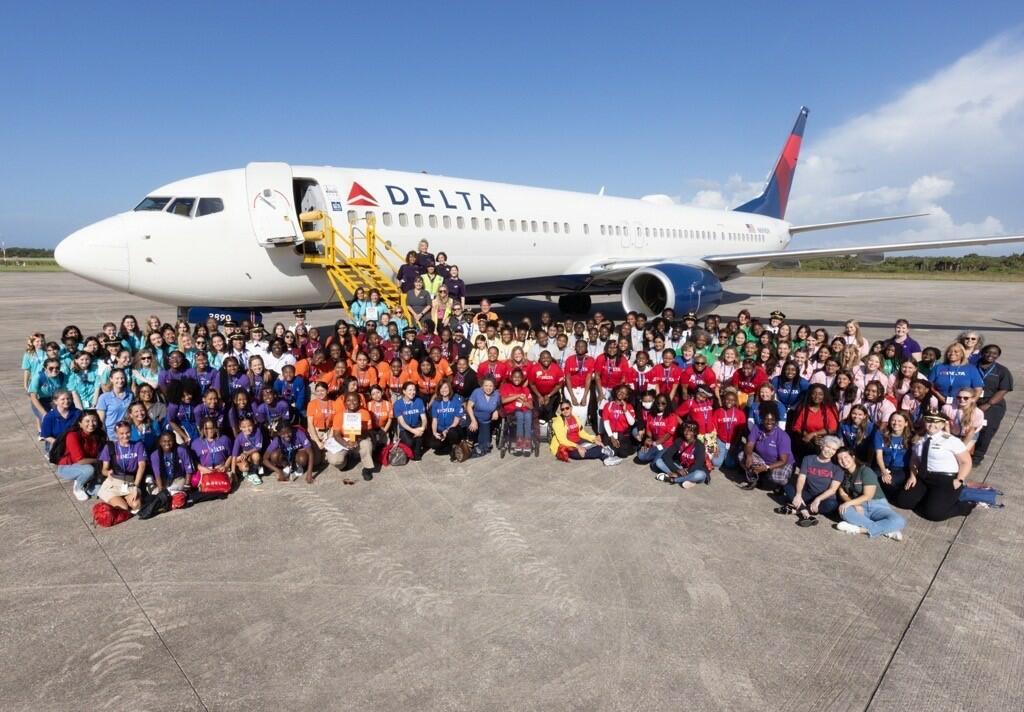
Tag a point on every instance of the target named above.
point(509, 583)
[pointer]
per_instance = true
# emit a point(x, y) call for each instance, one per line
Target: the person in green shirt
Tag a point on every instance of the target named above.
point(862, 504)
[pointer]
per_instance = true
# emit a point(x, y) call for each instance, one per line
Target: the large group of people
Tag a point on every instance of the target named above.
point(833, 423)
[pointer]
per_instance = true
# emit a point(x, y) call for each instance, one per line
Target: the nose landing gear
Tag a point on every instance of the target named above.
point(574, 303)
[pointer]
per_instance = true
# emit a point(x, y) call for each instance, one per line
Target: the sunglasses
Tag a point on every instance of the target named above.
point(146, 358)
point(963, 397)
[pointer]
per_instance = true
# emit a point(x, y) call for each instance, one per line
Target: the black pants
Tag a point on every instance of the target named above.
point(934, 498)
point(443, 446)
point(415, 443)
point(993, 417)
point(626, 446)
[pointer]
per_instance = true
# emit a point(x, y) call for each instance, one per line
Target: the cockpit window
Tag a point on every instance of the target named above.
point(208, 206)
point(152, 202)
point(182, 206)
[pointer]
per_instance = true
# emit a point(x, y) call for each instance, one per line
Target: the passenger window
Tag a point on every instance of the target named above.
point(403, 220)
point(524, 225)
point(501, 224)
point(544, 225)
point(153, 203)
point(352, 217)
point(432, 220)
point(475, 223)
point(602, 229)
point(565, 228)
point(555, 226)
point(209, 206)
point(447, 221)
point(417, 220)
point(460, 222)
point(618, 230)
point(533, 226)
point(386, 218)
point(586, 229)
point(511, 225)
point(182, 206)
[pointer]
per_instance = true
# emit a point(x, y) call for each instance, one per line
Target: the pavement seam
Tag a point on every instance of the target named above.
point(99, 544)
point(938, 569)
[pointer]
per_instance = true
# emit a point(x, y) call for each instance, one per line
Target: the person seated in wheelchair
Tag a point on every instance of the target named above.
point(571, 441)
point(517, 404)
point(617, 419)
point(545, 379)
point(447, 416)
point(484, 410)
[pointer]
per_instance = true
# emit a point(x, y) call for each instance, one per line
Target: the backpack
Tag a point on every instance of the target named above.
point(985, 494)
point(106, 516)
point(156, 504)
point(60, 445)
point(462, 451)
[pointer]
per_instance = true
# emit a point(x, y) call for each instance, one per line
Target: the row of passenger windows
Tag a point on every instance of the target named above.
point(544, 226)
point(186, 207)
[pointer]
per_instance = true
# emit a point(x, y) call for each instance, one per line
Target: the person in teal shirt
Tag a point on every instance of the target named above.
point(83, 381)
point(47, 381)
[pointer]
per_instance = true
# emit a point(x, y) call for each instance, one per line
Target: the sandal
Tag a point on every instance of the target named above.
point(805, 518)
point(785, 509)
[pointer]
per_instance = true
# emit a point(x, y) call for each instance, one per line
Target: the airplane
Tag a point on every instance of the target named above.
point(233, 239)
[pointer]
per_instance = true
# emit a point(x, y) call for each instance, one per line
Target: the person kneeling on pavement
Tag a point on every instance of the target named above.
point(351, 435)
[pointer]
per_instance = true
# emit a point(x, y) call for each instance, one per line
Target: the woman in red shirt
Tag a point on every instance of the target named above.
point(517, 404)
point(617, 419)
point(747, 380)
point(658, 428)
point(545, 379)
point(812, 420)
point(730, 424)
point(82, 446)
point(496, 369)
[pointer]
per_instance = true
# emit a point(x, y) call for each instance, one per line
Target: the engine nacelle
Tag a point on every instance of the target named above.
point(684, 288)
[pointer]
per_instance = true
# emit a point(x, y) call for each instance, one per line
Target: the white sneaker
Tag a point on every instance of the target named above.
point(287, 470)
point(80, 494)
point(612, 461)
point(849, 528)
point(895, 536)
point(982, 505)
point(261, 471)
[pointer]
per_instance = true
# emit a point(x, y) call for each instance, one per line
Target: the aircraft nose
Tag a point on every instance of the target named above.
point(98, 253)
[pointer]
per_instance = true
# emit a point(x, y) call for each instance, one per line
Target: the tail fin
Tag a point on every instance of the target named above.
point(772, 201)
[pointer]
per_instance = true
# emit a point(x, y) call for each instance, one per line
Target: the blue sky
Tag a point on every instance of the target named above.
point(911, 107)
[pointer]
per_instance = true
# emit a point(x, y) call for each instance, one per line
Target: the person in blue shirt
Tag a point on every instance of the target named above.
point(955, 373)
point(483, 408)
point(858, 433)
point(112, 406)
point(130, 334)
point(32, 359)
point(143, 429)
point(59, 419)
point(292, 389)
point(357, 307)
point(447, 416)
point(789, 386)
point(892, 448)
point(83, 381)
point(43, 386)
point(411, 416)
point(764, 402)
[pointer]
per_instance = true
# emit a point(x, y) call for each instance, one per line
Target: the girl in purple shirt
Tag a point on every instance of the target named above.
point(289, 452)
point(213, 450)
point(171, 464)
point(272, 411)
point(247, 452)
point(211, 407)
point(181, 417)
point(232, 378)
point(768, 453)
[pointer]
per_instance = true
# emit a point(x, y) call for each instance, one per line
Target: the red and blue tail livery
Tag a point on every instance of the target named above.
point(772, 202)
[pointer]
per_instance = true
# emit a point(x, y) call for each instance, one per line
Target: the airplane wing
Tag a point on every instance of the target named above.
point(788, 255)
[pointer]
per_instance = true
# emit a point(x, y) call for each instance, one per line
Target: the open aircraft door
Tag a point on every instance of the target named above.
point(271, 209)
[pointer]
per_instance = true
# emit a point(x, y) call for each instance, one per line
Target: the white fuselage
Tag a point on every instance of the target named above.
point(500, 235)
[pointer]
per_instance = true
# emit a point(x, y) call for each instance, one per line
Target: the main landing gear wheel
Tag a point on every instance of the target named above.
point(574, 303)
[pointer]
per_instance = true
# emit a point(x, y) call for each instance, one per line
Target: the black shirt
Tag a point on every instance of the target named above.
point(997, 377)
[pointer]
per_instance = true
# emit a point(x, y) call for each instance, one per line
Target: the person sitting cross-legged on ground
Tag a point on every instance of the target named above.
point(864, 508)
point(684, 463)
point(813, 490)
point(570, 441)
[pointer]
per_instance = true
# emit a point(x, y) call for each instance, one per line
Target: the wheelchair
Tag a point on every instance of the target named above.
point(506, 432)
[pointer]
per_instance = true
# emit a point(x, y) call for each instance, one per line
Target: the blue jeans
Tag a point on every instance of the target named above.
point(878, 518)
point(650, 455)
point(827, 505)
point(698, 476)
point(524, 424)
point(724, 458)
point(81, 474)
point(483, 434)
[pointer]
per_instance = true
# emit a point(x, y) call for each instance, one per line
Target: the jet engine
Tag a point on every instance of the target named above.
point(684, 288)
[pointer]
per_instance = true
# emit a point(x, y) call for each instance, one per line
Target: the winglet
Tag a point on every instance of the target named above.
point(773, 199)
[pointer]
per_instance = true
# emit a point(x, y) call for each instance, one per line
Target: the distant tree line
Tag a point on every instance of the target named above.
point(968, 263)
point(29, 252)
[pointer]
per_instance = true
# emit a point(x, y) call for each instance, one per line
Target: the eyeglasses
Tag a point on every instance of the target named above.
point(963, 397)
point(701, 363)
point(970, 338)
point(146, 358)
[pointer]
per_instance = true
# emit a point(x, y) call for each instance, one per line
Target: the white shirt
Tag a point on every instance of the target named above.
point(941, 453)
point(276, 363)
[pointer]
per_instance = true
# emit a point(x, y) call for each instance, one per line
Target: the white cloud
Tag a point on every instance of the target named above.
point(957, 136)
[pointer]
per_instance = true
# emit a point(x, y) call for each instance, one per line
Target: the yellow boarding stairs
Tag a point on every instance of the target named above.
point(354, 260)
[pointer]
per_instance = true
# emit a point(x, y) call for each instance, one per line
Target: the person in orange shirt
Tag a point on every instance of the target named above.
point(365, 374)
point(410, 366)
point(441, 364)
point(392, 379)
point(335, 380)
point(426, 380)
point(320, 414)
point(351, 428)
point(381, 413)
